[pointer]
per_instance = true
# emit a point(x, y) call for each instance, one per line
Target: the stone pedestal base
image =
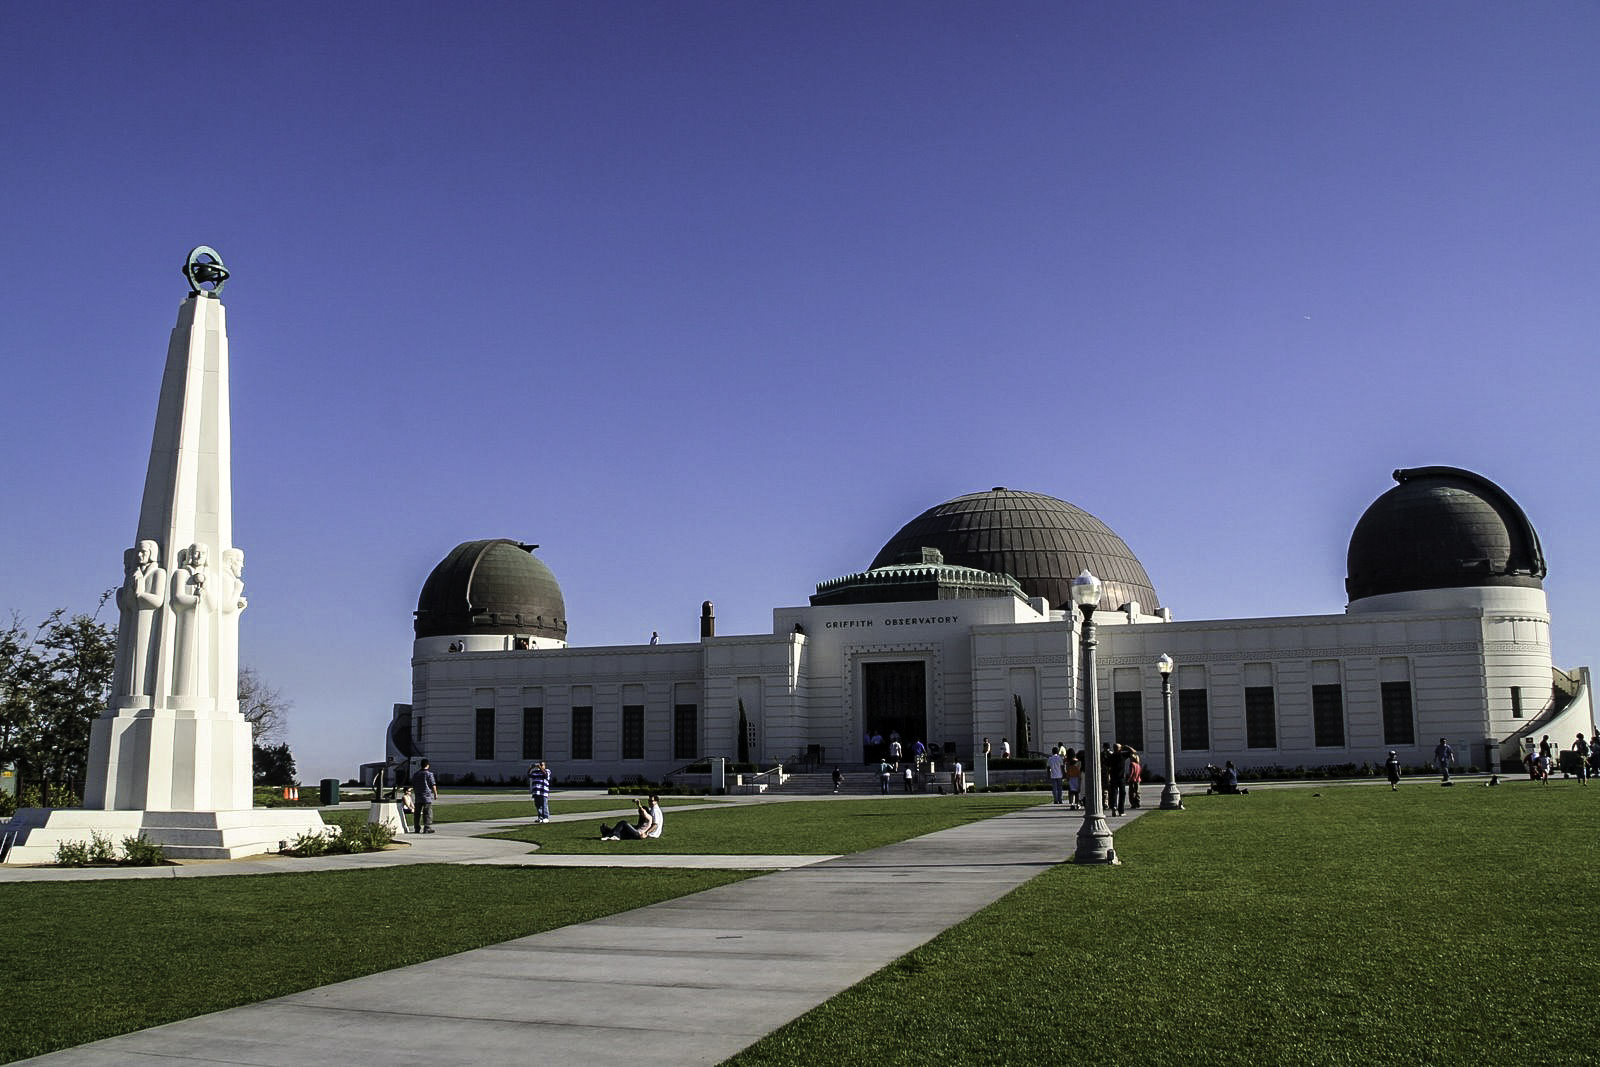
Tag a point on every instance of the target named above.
point(184, 835)
point(387, 813)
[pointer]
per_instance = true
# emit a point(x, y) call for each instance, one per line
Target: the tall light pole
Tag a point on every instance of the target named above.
point(1094, 836)
point(1171, 799)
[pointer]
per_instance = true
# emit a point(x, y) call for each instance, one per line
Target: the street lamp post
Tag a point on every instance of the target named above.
point(1171, 799)
point(1094, 836)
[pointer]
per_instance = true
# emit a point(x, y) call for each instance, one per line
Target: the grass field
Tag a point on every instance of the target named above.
point(86, 960)
point(1323, 925)
point(822, 827)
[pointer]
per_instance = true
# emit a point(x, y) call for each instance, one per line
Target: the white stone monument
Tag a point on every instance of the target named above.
point(171, 756)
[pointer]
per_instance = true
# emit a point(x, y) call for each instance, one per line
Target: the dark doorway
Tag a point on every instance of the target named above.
point(894, 701)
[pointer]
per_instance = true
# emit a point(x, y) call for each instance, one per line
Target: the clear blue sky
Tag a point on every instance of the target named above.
point(708, 299)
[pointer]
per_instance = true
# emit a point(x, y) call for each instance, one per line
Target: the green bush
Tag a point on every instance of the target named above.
point(309, 844)
point(8, 805)
point(142, 852)
point(346, 834)
point(72, 854)
point(101, 850)
point(60, 797)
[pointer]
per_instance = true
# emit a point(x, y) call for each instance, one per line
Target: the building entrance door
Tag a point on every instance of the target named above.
point(894, 701)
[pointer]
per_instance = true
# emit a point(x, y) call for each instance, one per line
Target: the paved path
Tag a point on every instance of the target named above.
point(687, 981)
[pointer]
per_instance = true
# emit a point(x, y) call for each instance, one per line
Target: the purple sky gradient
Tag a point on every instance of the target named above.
point(708, 299)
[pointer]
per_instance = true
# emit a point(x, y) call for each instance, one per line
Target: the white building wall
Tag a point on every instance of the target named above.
point(802, 684)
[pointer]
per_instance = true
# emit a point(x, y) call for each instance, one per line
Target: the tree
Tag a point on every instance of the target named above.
point(262, 706)
point(274, 764)
point(53, 684)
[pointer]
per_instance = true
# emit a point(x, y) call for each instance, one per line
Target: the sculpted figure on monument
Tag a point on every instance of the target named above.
point(230, 601)
point(233, 600)
point(191, 603)
point(140, 597)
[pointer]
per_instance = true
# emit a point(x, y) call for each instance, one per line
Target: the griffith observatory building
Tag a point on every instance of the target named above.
point(964, 616)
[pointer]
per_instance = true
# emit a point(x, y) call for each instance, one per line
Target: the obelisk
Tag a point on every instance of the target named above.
point(172, 738)
point(170, 757)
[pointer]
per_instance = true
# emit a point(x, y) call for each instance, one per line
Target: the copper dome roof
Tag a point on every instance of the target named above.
point(491, 587)
point(1040, 541)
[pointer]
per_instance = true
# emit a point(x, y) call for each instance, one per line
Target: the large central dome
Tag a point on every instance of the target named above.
point(1040, 541)
point(495, 586)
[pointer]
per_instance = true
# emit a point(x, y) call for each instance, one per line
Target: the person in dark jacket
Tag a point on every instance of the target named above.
point(426, 789)
point(1121, 770)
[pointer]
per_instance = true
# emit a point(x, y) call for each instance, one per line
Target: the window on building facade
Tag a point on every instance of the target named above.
point(1398, 728)
point(1129, 719)
point(483, 740)
point(1194, 722)
point(1516, 702)
point(583, 733)
point(1327, 715)
point(685, 731)
point(533, 733)
point(633, 731)
point(1260, 717)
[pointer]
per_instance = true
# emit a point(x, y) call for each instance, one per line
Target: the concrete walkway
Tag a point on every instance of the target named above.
point(687, 981)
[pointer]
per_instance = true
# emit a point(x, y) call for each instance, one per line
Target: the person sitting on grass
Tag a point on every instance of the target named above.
point(648, 824)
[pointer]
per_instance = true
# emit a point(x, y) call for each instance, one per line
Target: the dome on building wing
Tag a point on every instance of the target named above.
point(1040, 541)
point(1442, 528)
point(491, 587)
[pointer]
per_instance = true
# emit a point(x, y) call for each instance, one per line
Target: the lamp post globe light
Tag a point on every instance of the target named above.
point(1171, 799)
point(1094, 836)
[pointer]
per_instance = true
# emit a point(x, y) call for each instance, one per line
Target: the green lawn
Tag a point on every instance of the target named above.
point(809, 828)
point(1322, 925)
point(86, 960)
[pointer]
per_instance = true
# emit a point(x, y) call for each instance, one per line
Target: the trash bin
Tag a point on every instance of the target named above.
point(330, 791)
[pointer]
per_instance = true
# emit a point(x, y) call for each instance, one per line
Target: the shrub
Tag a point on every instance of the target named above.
point(309, 844)
point(142, 852)
point(8, 805)
point(72, 854)
point(347, 834)
point(101, 850)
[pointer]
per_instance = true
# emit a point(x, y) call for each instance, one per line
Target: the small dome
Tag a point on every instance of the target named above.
point(1442, 528)
point(1040, 541)
point(492, 587)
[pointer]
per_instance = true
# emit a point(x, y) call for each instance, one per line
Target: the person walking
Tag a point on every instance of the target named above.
point(1581, 747)
point(426, 790)
point(838, 779)
point(539, 789)
point(1057, 773)
point(1444, 755)
point(883, 776)
point(1391, 767)
point(1074, 780)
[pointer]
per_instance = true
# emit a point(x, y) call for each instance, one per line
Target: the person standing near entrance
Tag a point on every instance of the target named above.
point(1056, 772)
point(894, 749)
point(883, 776)
point(1444, 755)
point(426, 788)
point(838, 778)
